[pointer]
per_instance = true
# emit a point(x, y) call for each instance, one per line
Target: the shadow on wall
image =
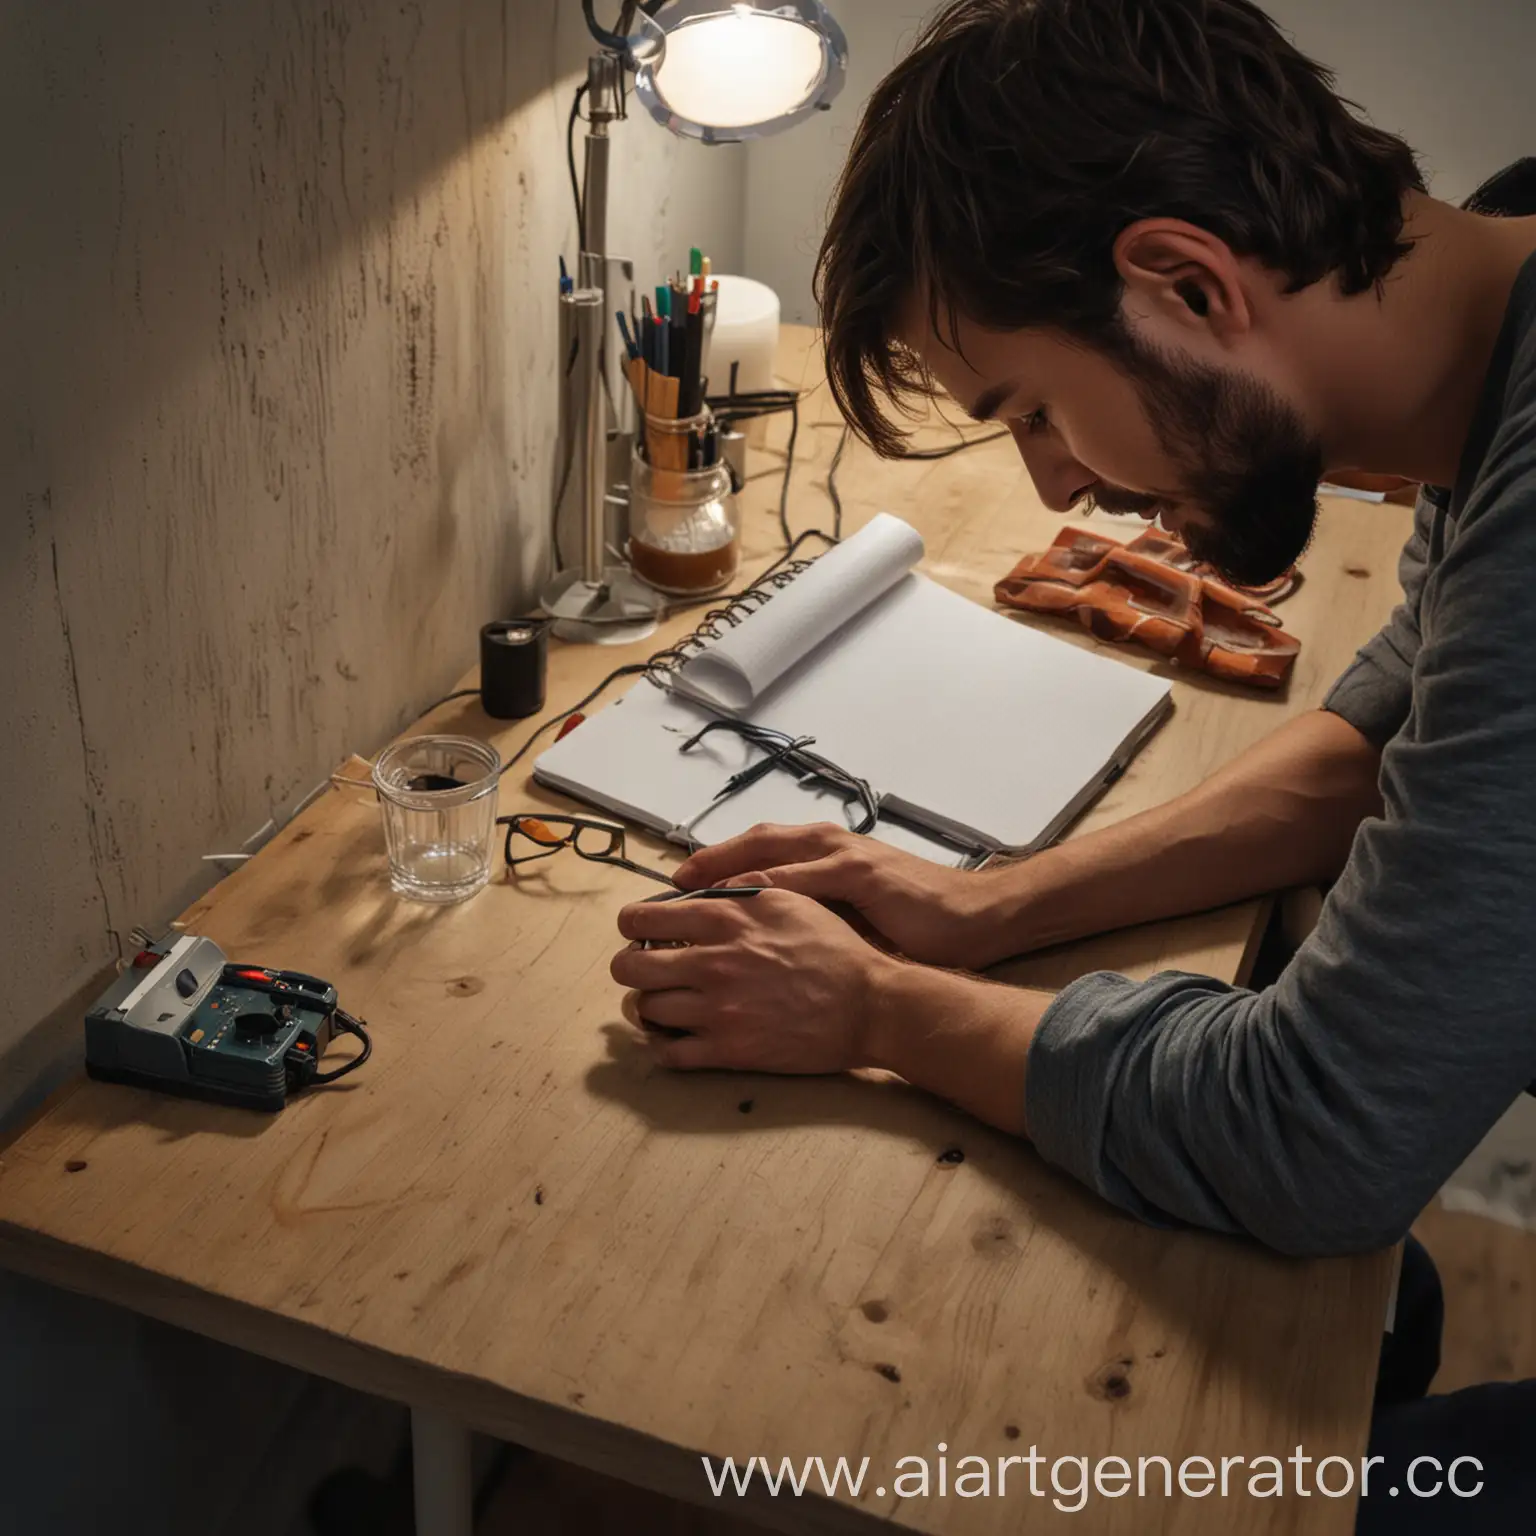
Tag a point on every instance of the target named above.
point(277, 416)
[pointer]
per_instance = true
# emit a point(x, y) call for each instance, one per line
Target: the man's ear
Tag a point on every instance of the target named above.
point(1180, 275)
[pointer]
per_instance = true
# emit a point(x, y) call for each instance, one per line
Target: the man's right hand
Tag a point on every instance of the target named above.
point(929, 913)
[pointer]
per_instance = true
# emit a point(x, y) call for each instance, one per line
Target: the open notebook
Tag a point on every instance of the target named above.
point(977, 733)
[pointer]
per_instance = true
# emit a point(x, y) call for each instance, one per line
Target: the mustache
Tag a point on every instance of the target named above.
point(1119, 502)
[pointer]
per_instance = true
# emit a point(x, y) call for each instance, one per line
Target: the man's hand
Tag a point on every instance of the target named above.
point(770, 983)
point(776, 983)
point(936, 915)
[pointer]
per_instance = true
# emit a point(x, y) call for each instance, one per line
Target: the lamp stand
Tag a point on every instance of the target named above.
point(601, 601)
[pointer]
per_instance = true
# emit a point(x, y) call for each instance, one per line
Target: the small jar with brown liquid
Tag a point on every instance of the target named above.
point(684, 525)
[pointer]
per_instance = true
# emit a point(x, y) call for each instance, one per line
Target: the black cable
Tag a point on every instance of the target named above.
point(570, 457)
point(570, 163)
point(448, 698)
point(733, 407)
point(789, 469)
point(789, 554)
point(619, 42)
point(344, 1021)
point(632, 669)
point(837, 501)
point(610, 40)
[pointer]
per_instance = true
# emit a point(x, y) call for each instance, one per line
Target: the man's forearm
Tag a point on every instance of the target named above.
point(959, 1037)
point(1281, 815)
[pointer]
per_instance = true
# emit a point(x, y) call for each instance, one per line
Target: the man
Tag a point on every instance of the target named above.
point(1148, 237)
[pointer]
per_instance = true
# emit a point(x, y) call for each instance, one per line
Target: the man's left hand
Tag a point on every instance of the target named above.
point(768, 983)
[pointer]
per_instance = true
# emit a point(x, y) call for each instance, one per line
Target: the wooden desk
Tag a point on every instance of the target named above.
point(511, 1222)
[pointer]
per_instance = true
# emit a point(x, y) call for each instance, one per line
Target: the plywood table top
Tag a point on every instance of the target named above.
point(509, 1215)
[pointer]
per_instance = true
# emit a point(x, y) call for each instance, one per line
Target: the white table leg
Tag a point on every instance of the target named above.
point(440, 1455)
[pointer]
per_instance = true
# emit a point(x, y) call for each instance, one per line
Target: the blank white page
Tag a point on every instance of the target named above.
point(984, 727)
point(625, 760)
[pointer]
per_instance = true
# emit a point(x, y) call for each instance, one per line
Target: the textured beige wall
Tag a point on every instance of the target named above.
point(1451, 77)
point(276, 415)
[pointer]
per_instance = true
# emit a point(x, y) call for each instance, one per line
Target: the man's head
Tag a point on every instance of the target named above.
point(1081, 218)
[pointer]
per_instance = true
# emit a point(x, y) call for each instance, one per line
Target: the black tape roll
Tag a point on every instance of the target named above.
point(513, 656)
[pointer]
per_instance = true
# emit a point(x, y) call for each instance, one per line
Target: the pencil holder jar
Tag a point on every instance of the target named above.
point(684, 525)
point(676, 442)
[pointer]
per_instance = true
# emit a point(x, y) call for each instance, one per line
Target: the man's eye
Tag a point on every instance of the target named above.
point(1036, 421)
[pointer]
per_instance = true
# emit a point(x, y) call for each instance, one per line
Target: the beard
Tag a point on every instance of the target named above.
point(1248, 464)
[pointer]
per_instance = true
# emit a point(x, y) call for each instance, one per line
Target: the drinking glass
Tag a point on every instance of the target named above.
point(438, 795)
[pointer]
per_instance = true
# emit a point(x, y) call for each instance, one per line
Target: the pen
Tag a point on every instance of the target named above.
point(629, 342)
point(695, 356)
point(677, 342)
point(663, 299)
point(695, 261)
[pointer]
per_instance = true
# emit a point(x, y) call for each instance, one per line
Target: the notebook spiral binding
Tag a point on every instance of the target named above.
point(736, 608)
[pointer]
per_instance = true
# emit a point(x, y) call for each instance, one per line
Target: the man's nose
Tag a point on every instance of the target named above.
point(1059, 479)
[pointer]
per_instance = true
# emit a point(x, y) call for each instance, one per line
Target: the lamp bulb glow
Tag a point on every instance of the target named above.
point(740, 67)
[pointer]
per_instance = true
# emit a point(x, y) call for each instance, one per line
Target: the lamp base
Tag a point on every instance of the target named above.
point(616, 611)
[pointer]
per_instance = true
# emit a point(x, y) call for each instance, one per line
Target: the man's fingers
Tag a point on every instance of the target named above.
point(764, 847)
point(655, 970)
point(675, 1009)
point(752, 877)
point(689, 1055)
point(682, 921)
point(829, 879)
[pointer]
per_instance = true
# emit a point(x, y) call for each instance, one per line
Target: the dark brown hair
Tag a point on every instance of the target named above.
point(997, 163)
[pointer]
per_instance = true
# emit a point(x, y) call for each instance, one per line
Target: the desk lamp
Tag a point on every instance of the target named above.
point(710, 70)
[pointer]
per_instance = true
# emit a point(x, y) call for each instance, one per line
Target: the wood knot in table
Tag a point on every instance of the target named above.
point(875, 1311)
point(465, 986)
point(1111, 1383)
point(890, 1372)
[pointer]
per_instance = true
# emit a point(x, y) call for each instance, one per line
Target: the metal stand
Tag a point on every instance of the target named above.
point(614, 610)
point(444, 1482)
point(600, 601)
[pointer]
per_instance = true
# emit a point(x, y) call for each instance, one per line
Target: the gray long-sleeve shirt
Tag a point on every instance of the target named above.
point(1321, 1114)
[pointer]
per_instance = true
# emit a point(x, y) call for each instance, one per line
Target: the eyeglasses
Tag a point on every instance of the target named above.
point(599, 841)
point(790, 753)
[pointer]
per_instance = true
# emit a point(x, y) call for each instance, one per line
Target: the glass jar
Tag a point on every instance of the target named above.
point(684, 524)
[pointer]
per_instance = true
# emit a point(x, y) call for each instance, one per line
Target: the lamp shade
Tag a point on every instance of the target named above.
point(727, 72)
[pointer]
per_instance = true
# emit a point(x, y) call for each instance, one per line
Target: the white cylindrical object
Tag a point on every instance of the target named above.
point(746, 333)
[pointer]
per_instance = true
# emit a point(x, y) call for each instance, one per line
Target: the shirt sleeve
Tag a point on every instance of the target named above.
point(1374, 690)
point(1321, 1114)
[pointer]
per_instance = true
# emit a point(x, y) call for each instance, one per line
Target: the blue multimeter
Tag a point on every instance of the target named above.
point(183, 1020)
